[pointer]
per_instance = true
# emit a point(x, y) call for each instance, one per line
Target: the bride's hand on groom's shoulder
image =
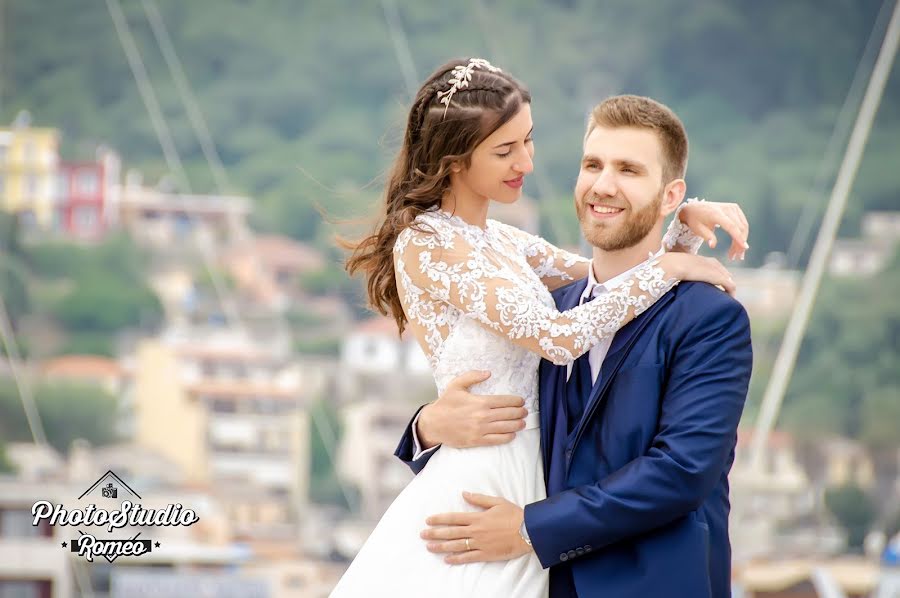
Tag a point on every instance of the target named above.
point(704, 217)
point(461, 419)
point(697, 268)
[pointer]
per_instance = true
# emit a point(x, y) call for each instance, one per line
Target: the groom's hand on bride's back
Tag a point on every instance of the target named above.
point(461, 419)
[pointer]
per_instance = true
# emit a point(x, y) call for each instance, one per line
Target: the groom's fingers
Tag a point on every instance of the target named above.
point(449, 546)
point(505, 427)
point(496, 439)
point(461, 558)
point(467, 379)
point(500, 401)
point(482, 500)
point(452, 519)
point(513, 414)
point(450, 532)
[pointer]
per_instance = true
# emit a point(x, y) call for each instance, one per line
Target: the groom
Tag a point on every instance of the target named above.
point(637, 435)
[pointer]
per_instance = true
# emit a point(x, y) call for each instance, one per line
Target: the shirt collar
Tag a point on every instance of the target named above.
point(594, 286)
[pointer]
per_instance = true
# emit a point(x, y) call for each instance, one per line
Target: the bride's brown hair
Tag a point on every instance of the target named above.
point(437, 137)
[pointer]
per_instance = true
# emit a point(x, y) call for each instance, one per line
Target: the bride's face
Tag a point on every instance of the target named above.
point(500, 162)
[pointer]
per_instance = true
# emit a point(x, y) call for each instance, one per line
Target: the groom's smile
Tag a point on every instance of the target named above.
point(604, 212)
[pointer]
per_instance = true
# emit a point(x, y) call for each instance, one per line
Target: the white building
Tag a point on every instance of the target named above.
point(232, 412)
point(872, 253)
point(365, 458)
point(165, 220)
point(374, 347)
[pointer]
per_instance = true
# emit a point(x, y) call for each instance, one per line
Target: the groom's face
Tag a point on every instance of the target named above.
point(619, 192)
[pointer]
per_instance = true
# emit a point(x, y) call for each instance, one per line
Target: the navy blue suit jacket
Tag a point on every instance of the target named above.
point(645, 512)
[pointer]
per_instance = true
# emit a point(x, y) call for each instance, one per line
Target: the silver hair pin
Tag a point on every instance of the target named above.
point(462, 74)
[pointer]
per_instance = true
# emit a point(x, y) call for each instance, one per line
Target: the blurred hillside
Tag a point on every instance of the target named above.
point(305, 100)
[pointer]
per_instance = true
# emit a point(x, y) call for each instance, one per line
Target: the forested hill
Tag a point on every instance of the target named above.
point(304, 98)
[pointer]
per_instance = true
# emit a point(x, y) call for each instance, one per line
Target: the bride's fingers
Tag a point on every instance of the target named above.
point(741, 216)
point(731, 226)
point(705, 233)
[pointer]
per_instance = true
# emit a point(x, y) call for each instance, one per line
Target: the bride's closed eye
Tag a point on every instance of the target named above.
point(527, 141)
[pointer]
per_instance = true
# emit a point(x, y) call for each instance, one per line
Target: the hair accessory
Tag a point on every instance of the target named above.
point(462, 74)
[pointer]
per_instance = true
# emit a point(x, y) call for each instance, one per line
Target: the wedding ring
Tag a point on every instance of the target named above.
point(467, 545)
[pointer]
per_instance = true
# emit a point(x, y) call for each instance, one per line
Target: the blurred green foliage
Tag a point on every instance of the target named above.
point(67, 411)
point(854, 510)
point(306, 100)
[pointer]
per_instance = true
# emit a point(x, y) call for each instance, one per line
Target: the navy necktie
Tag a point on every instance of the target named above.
point(578, 387)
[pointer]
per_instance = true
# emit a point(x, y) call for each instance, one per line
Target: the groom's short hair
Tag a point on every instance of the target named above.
point(644, 113)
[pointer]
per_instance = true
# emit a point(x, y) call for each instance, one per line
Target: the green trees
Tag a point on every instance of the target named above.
point(847, 379)
point(854, 510)
point(68, 411)
point(301, 110)
point(91, 292)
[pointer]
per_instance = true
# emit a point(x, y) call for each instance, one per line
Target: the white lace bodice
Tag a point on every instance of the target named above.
point(479, 299)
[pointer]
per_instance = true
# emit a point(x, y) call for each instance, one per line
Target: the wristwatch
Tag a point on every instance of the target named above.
point(523, 531)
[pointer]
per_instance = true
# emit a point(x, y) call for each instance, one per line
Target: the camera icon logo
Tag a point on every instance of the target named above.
point(109, 491)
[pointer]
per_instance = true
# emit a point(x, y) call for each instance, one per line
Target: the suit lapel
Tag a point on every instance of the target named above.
point(622, 343)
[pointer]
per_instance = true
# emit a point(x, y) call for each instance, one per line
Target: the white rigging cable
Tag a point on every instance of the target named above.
point(170, 152)
point(198, 121)
point(793, 336)
point(839, 134)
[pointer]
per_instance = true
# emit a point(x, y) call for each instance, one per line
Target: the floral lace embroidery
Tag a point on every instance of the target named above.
point(496, 276)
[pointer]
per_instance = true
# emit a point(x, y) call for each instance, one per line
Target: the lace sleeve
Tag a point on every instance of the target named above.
point(679, 237)
point(555, 267)
point(446, 267)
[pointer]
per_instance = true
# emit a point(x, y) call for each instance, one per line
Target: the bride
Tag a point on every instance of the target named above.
point(475, 293)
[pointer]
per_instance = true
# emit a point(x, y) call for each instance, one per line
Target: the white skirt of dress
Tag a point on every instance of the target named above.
point(394, 562)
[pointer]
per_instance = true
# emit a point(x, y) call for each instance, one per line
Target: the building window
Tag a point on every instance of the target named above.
point(62, 188)
point(84, 218)
point(16, 523)
point(31, 186)
point(223, 406)
point(24, 588)
point(86, 183)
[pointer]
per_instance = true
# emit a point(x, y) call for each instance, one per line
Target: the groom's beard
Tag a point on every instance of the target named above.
point(633, 228)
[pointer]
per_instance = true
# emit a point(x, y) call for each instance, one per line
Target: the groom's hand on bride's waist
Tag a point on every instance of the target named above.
point(493, 534)
point(461, 419)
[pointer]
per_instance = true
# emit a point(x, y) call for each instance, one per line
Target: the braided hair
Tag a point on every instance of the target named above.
point(437, 136)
